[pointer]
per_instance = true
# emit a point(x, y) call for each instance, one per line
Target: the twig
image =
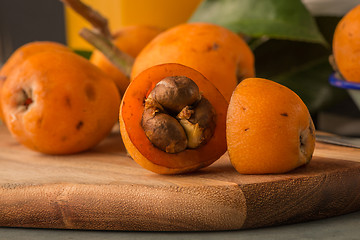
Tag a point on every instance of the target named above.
point(95, 18)
point(120, 59)
point(101, 37)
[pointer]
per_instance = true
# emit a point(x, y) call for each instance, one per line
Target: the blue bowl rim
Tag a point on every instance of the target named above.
point(336, 82)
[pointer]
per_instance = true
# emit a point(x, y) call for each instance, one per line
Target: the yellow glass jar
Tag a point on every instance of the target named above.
point(160, 13)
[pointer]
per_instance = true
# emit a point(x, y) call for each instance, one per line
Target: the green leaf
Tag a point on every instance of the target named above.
point(278, 56)
point(279, 19)
point(310, 82)
point(85, 54)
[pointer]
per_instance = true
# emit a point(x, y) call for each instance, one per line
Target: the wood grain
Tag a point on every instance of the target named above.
point(104, 189)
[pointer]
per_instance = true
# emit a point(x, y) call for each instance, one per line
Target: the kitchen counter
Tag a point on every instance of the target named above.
point(341, 227)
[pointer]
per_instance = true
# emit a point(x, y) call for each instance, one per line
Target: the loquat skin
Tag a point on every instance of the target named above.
point(346, 45)
point(59, 103)
point(22, 53)
point(268, 128)
point(131, 40)
point(220, 55)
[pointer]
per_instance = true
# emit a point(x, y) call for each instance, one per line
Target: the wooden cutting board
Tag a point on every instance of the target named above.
point(104, 189)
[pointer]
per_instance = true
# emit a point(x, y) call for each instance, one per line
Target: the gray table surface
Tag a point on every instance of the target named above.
point(340, 227)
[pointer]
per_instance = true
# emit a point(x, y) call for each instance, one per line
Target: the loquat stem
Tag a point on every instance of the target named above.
point(101, 37)
point(121, 60)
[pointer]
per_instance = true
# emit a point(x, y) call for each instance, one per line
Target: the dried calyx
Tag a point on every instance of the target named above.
point(176, 116)
point(24, 99)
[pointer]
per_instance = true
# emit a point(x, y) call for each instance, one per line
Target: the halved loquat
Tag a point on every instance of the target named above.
point(268, 128)
point(172, 120)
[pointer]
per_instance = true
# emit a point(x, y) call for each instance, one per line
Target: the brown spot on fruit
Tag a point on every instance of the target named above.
point(284, 114)
point(213, 47)
point(90, 92)
point(79, 125)
point(68, 101)
point(39, 121)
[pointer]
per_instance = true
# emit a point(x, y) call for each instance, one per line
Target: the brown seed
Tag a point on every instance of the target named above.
point(163, 131)
point(175, 92)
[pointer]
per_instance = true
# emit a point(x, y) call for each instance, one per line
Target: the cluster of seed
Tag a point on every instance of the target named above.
point(176, 116)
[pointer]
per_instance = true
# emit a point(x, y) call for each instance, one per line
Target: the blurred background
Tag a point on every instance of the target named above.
point(45, 18)
point(23, 21)
point(333, 110)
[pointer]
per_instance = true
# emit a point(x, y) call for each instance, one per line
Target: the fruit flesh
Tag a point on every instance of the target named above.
point(268, 128)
